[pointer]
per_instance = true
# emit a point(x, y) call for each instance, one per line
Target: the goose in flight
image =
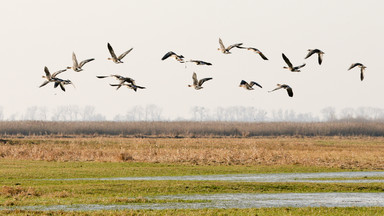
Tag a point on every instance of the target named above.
point(129, 85)
point(197, 84)
point(248, 86)
point(258, 52)
point(179, 58)
point(50, 77)
point(362, 69)
point(284, 86)
point(76, 66)
point(227, 50)
point(319, 53)
point(290, 66)
point(115, 59)
point(120, 78)
point(61, 83)
point(198, 62)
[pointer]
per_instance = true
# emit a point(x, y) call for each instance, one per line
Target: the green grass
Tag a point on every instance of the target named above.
point(18, 170)
point(334, 211)
point(24, 182)
point(121, 192)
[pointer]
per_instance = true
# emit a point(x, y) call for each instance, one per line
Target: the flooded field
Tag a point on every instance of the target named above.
point(324, 177)
point(242, 200)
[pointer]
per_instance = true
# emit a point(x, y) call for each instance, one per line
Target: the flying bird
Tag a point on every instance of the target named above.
point(362, 69)
point(248, 86)
point(258, 52)
point(115, 59)
point(76, 66)
point(129, 85)
point(227, 50)
point(198, 62)
point(319, 53)
point(50, 77)
point(61, 83)
point(290, 66)
point(179, 58)
point(197, 84)
point(284, 86)
point(122, 79)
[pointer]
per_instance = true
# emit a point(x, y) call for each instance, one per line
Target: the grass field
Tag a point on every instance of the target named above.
point(27, 162)
point(331, 152)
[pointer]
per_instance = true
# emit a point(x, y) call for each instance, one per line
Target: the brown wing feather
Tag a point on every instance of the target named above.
point(124, 54)
point(204, 80)
point(85, 62)
point(47, 73)
point(111, 51)
point(222, 47)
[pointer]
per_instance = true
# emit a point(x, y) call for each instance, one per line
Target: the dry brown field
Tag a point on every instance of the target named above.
point(337, 152)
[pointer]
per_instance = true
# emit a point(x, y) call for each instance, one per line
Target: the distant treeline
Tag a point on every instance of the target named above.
point(191, 129)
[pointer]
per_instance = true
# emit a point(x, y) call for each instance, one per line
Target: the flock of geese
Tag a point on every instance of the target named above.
point(197, 84)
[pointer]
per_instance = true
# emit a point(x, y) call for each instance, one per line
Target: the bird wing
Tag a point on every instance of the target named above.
point(56, 84)
point(238, 45)
point(74, 60)
point(44, 83)
point(298, 67)
point(354, 65)
point(194, 78)
point(118, 85)
point(243, 82)
point(57, 73)
point(111, 51)
point(262, 55)
point(287, 61)
point(124, 54)
point(47, 73)
point(167, 55)
point(290, 92)
point(361, 73)
point(62, 86)
point(320, 58)
point(255, 83)
point(309, 54)
point(102, 77)
point(278, 87)
point(85, 62)
point(140, 87)
point(203, 80)
point(222, 47)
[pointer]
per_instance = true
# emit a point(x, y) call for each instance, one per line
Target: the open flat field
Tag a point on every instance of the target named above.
point(42, 171)
point(330, 152)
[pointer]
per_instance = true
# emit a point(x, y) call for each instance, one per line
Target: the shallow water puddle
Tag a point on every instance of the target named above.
point(279, 177)
point(242, 200)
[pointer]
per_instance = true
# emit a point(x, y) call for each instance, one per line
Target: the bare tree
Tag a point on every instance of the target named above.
point(329, 114)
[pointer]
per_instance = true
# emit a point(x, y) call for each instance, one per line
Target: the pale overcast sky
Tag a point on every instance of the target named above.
point(45, 32)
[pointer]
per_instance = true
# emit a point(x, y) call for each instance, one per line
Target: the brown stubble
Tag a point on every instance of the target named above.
point(337, 152)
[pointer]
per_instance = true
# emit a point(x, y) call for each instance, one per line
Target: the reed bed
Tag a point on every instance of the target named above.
point(335, 152)
point(191, 129)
